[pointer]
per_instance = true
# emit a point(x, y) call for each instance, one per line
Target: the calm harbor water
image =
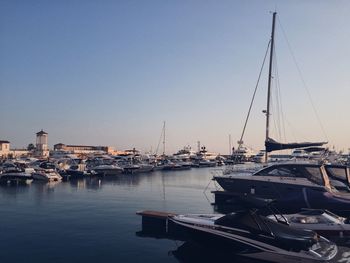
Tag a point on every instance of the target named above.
point(94, 220)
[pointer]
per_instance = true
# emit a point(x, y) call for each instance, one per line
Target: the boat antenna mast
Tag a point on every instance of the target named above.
point(267, 111)
point(164, 139)
point(162, 135)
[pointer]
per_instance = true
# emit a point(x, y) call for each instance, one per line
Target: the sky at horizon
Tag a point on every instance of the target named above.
point(110, 72)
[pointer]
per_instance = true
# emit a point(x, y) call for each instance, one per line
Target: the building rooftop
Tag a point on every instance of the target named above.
point(77, 146)
point(41, 132)
point(2, 141)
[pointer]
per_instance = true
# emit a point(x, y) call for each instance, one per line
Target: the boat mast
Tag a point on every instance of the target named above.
point(269, 84)
point(229, 143)
point(164, 139)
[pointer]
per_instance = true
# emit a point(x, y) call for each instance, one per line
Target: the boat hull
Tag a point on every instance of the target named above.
point(108, 172)
point(46, 177)
point(15, 179)
point(264, 187)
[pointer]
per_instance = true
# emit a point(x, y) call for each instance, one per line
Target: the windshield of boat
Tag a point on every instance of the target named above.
point(339, 172)
point(300, 219)
point(315, 216)
point(311, 172)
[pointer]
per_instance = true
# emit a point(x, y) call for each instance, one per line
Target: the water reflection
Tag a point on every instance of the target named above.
point(91, 183)
point(13, 189)
point(93, 219)
point(96, 183)
point(189, 251)
point(192, 252)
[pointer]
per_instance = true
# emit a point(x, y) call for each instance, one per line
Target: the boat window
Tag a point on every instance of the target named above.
point(281, 172)
point(310, 220)
point(315, 175)
point(284, 171)
point(337, 172)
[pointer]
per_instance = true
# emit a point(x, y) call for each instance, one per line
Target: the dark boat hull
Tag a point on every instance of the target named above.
point(262, 189)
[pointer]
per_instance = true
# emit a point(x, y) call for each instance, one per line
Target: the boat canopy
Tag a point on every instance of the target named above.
point(272, 145)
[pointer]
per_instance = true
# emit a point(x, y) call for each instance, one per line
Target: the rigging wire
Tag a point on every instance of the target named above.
point(160, 139)
point(256, 87)
point(280, 102)
point(277, 104)
point(291, 128)
point(280, 114)
point(303, 80)
point(272, 106)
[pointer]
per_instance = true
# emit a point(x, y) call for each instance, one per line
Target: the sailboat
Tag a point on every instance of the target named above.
point(271, 144)
point(277, 179)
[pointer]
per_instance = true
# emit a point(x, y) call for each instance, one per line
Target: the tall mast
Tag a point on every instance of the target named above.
point(229, 143)
point(269, 84)
point(164, 138)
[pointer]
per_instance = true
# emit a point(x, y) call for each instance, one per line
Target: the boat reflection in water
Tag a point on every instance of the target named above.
point(193, 252)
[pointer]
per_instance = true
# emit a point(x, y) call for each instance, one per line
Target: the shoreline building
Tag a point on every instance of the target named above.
point(83, 149)
point(42, 149)
point(4, 148)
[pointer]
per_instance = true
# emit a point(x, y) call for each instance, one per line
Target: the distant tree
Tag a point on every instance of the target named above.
point(31, 147)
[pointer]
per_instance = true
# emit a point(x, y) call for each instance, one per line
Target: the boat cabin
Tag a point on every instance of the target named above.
point(315, 173)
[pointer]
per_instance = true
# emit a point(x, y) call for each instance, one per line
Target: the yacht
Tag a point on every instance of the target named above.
point(47, 175)
point(107, 170)
point(185, 153)
point(137, 167)
point(242, 154)
point(144, 168)
point(299, 153)
point(277, 179)
point(259, 157)
point(203, 154)
point(207, 163)
point(17, 178)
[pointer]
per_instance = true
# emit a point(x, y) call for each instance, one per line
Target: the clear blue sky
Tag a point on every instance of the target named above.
point(109, 72)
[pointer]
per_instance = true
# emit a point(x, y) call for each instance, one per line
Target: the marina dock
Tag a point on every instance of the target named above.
point(156, 224)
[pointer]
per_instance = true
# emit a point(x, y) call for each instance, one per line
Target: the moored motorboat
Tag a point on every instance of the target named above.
point(73, 174)
point(175, 166)
point(144, 168)
point(207, 163)
point(251, 235)
point(107, 170)
point(17, 178)
point(47, 175)
point(277, 180)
